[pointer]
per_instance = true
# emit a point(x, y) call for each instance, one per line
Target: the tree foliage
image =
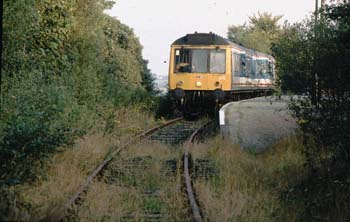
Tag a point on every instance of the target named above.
point(65, 64)
point(313, 59)
point(260, 32)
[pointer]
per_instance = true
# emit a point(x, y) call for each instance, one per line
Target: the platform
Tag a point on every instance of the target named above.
point(258, 123)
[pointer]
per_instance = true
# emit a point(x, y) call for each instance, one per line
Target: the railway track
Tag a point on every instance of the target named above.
point(60, 212)
point(173, 132)
point(196, 212)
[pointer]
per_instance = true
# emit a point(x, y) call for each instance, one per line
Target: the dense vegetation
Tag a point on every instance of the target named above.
point(65, 66)
point(261, 31)
point(313, 60)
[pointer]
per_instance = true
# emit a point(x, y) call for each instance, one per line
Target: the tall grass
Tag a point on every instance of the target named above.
point(134, 191)
point(70, 166)
point(249, 186)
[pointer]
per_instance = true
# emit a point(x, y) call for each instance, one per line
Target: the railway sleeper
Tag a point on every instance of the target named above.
point(204, 169)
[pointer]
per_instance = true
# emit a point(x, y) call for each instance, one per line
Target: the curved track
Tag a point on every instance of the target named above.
point(60, 212)
point(196, 213)
point(172, 132)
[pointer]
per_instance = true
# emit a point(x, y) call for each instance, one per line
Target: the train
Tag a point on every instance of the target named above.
point(207, 70)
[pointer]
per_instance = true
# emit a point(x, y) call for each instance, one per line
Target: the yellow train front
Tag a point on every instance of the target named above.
point(206, 70)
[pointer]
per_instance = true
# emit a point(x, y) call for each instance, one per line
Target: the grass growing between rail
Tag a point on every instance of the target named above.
point(69, 167)
point(277, 185)
point(142, 185)
point(249, 187)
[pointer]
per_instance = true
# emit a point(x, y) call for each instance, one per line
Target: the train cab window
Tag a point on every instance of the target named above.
point(200, 60)
point(217, 61)
point(182, 60)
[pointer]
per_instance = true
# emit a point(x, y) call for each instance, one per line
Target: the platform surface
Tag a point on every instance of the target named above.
point(257, 123)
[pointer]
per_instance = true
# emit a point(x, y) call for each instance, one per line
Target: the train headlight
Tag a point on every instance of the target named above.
point(217, 83)
point(198, 84)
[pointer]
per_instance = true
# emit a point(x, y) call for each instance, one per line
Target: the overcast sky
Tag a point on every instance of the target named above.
point(158, 23)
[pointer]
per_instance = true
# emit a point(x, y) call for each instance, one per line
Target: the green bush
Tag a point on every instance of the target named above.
point(65, 66)
point(37, 118)
point(313, 58)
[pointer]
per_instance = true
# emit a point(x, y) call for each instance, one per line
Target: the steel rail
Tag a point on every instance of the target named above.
point(58, 213)
point(196, 212)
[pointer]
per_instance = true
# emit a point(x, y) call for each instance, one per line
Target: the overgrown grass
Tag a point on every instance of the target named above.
point(70, 166)
point(277, 185)
point(273, 186)
point(137, 187)
point(249, 186)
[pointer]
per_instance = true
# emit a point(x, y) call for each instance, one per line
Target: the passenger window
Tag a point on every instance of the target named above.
point(243, 66)
point(253, 72)
point(249, 66)
point(270, 70)
point(236, 64)
point(262, 68)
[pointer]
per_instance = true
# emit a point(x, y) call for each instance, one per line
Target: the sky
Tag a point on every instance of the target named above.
point(158, 23)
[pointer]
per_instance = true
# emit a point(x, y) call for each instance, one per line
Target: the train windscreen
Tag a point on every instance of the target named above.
point(200, 61)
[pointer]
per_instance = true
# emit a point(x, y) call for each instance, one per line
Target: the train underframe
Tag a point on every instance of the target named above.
point(194, 103)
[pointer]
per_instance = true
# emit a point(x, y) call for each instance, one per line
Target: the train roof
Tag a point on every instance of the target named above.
point(202, 39)
point(213, 39)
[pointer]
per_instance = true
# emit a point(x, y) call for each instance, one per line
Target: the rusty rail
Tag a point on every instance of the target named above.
point(58, 213)
point(196, 212)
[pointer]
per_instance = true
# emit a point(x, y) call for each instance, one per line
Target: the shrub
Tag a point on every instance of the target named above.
point(37, 118)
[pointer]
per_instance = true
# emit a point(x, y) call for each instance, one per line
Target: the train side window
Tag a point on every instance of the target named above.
point(243, 67)
point(236, 65)
point(271, 70)
point(262, 68)
point(253, 72)
point(249, 65)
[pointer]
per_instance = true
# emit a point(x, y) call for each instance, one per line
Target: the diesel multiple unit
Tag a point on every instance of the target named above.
point(207, 65)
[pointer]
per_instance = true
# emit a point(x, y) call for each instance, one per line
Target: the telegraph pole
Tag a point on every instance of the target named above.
point(315, 97)
point(1, 18)
point(316, 10)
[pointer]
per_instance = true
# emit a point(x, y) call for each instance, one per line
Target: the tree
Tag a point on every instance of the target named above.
point(313, 59)
point(65, 64)
point(261, 31)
